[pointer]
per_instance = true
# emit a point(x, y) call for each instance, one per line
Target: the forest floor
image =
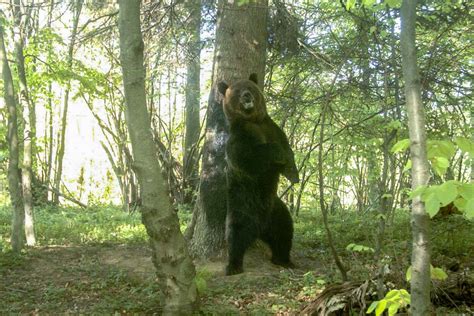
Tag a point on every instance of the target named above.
point(98, 262)
point(101, 279)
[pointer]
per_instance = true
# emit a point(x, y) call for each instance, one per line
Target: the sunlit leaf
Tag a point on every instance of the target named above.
point(393, 308)
point(407, 166)
point(466, 190)
point(440, 148)
point(460, 204)
point(417, 192)
point(447, 192)
point(432, 205)
point(438, 274)
point(368, 3)
point(408, 274)
point(440, 165)
point(380, 307)
point(401, 145)
point(469, 210)
point(466, 145)
point(394, 3)
point(392, 294)
point(350, 4)
point(372, 307)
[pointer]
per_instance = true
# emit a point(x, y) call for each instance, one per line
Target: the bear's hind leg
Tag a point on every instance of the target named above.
point(279, 234)
point(239, 237)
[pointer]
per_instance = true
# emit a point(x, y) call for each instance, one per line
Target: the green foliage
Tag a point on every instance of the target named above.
point(435, 274)
point(466, 145)
point(76, 226)
point(452, 191)
point(392, 302)
point(439, 152)
point(359, 248)
point(401, 146)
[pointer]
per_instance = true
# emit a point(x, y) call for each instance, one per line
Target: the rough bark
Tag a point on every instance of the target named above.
point(191, 139)
point(175, 269)
point(29, 119)
point(241, 39)
point(14, 178)
point(62, 139)
point(420, 222)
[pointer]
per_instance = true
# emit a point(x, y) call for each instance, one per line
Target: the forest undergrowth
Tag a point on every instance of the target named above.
point(97, 261)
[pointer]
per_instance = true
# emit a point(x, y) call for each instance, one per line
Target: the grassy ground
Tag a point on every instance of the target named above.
point(96, 261)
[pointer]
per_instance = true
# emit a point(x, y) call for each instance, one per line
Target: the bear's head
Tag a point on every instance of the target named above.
point(243, 100)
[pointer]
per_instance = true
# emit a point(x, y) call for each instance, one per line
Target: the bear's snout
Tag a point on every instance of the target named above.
point(246, 99)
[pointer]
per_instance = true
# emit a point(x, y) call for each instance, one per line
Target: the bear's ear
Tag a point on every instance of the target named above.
point(222, 86)
point(253, 77)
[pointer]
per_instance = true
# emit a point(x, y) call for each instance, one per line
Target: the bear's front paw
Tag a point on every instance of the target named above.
point(231, 270)
point(283, 263)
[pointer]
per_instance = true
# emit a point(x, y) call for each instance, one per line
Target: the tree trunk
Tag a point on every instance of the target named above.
point(174, 267)
point(191, 139)
point(241, 39)
point(420, 260)
point(322, 202)
point(14, 182)
point(29, 119)
point(62, 139)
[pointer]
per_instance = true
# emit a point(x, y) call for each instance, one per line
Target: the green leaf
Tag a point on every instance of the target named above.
point(432, 205)
point(466, 145)
point(466, 190)
point(440, 148)
point(407, 166)
point(469, 210)
point(460, 204)
point(440, 165)
point(401, 145)
point(392, 294)
point(417, 192)
point(350, 4)
point(372, 307)
point(447, 192)
point(394, 3)
point(380, 307)
point(432, 190)
point(368, 3)
point(408, 274)
point(438, 274)
point(405, 295)
point(393, 308)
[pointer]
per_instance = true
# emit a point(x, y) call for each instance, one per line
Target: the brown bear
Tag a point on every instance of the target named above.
point(257, 152)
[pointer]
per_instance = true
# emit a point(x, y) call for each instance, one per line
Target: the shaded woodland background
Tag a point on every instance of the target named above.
point(337, 59)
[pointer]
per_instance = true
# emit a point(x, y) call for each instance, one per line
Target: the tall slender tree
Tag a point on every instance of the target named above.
point(77, 8)
point(29, 119)
point(174, 267)
point(191, 138)
point(420, 221)
point(14, 178)
point(241, 39)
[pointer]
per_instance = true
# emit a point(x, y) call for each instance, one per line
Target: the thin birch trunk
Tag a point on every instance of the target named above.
point(190, 162)
point(420, 221)
point(62, 139)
